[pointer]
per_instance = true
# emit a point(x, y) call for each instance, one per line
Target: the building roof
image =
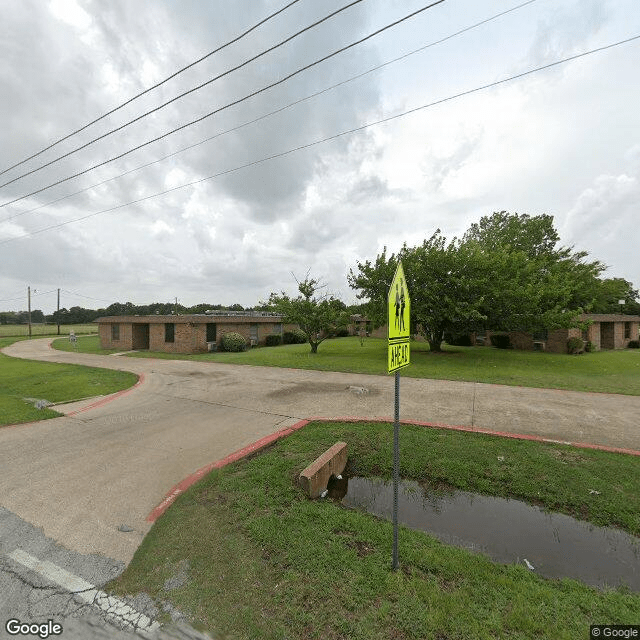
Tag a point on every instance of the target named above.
point(608, 317)
point(197, 318)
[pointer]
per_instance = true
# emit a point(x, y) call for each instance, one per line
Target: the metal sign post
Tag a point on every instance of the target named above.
point(399, 306)
point(396, 471)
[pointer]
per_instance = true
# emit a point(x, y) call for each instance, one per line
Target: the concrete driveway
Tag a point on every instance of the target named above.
point(81, 476)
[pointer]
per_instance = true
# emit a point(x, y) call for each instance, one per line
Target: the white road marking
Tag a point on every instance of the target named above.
point(83, 590)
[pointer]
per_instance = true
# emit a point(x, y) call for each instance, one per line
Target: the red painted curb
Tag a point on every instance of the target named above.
point(114, 396)
point(183, 485)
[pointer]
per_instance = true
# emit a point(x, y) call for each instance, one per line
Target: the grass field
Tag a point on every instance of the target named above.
point(20, 379)
point(604, 371)
point(251, 557)
point(8, 330)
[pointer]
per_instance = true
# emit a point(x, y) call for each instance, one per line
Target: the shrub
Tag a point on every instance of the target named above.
point(297, 336)
point(233, 342)
point(273, 340)
point(634, 344)
point(501, 340)
point(461, 340)
point(589, 347)
point(342, 332)
point(575, 345)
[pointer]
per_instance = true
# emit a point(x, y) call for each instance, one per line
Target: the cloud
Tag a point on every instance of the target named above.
point(604, 218)
point(567, 29)
point(534, 146)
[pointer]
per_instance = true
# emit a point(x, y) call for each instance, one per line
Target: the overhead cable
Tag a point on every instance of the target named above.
point(155, 86)
point(81, 295)
point(230, 104)
point(183, 94)
point(271, 113)
point(327, 139)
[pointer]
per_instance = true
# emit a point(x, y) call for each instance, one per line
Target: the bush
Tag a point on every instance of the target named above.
point(575, 345)
point(461, 340)
point(501, 340)
point(634, 344)
point(342, 332)
point(589, 347)
point(273, 340)
point(297, 336)
point(233, 342)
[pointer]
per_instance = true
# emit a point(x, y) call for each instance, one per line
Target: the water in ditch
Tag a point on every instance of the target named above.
point(508, 531)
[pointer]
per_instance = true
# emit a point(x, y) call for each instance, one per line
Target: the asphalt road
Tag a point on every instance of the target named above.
point(82, 478)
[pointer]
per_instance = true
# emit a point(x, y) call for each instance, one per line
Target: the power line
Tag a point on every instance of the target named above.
point(182, 95)
point(41, 293)
point(81, 295)
point(327, 139)
point(155, 86)
point(230, 104)
point(279, 110)
point(12, 299)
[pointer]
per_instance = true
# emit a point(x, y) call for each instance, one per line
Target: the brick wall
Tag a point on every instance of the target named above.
point(620, 341)
point(521, 340)
point(124, 342)
point(593, 335)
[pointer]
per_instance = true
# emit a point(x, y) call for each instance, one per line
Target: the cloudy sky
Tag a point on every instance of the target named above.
point(565, 141)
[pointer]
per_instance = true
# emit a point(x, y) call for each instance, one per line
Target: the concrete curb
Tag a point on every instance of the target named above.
point(190, 480)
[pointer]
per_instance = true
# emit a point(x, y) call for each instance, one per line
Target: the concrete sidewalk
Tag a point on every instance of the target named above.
point(81, 476)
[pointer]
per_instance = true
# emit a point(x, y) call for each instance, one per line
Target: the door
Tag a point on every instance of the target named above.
point(140, 336)
point(607, 340)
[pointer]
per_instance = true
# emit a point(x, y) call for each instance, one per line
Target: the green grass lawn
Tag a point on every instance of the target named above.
point(56, 383)
point(7, 330)
point(258, 560)
point(83, 344)
point(605, 371)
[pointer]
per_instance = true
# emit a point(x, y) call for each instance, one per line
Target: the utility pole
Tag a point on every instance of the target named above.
point(58, 314)
point(176, 307)
point(29, 306)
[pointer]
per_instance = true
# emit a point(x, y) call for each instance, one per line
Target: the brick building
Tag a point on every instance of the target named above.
point(186, 333)
point(606, 331)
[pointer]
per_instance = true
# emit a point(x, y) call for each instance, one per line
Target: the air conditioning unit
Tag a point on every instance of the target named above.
point(212, 346)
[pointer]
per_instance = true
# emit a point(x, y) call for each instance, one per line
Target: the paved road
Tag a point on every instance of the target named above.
point(81, 477)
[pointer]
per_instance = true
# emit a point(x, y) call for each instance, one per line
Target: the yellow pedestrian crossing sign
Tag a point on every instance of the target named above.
point(399, 311)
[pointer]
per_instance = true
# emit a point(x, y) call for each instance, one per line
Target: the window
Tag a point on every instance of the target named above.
point(253, 332)
point(211, 331)
point(277, 329)
point(627, 330)
point(169, 331)
point(115, 332)
point(541, 335)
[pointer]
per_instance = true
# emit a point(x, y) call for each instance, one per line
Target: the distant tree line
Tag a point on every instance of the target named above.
point(80, 315)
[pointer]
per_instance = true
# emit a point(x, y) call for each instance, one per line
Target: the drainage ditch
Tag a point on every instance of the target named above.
point(552, 545)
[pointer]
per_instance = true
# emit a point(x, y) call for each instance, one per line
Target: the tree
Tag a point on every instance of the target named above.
point(315, 315)
point(535, 237)
point(609, 293)
point(534, 282)
point(507, 273)
point(443, 279)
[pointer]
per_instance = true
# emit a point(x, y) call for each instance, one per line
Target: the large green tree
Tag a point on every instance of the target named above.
point(443, 279)
point(535, 282)
point(609, 293)
point(316, 314)
point(507, 273)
